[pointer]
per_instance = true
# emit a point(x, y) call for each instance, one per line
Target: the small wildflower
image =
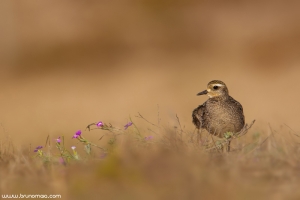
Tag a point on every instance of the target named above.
point(75, 154)
point(62, 161)
point(37, 148)
point(149, 137)
point(103, 155)
point(99, 124)
point(127, 125)
point(77, 134)
point(58, 140)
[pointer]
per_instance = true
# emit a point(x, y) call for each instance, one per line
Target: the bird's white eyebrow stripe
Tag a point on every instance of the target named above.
point(218, 85)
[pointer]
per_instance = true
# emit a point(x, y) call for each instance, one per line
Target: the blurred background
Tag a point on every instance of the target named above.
point(66, 64)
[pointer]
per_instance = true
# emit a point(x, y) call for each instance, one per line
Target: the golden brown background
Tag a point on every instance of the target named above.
point(65, 64)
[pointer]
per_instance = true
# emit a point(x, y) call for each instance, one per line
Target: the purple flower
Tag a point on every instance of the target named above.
point(149, 137)
point(62, 161)
point(58, 140)
point(77, 134)
point(127, 125)
point(37, 148)
point(99, 124)
point(73, 147)
point(103, 155)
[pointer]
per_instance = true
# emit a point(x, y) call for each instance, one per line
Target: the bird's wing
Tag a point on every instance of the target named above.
point(197, 116)
point(239, 108)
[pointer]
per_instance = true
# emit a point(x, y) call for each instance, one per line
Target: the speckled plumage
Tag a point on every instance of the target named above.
point(220, 113)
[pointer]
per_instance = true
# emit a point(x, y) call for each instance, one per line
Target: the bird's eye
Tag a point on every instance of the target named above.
point(216, 87)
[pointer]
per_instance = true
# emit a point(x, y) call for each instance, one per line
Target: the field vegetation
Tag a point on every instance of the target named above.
point(76, 74)
point(154, 162)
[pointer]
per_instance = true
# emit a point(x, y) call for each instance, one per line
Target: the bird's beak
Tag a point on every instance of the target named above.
point(202, 93)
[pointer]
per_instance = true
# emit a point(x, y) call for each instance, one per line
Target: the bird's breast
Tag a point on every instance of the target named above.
point(221, 117)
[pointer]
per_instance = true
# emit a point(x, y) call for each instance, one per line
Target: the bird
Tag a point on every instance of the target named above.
point(220, 114)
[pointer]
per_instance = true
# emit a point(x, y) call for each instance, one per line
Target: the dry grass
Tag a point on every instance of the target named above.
point(170, 165)
point(65, 63)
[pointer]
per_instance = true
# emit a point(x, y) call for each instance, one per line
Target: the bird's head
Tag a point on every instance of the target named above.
point(215, 88)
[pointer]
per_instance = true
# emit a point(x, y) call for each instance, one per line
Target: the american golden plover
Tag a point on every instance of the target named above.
point(220, 114)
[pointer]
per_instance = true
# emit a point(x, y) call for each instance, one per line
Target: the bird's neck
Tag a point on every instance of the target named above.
point(220, 98)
